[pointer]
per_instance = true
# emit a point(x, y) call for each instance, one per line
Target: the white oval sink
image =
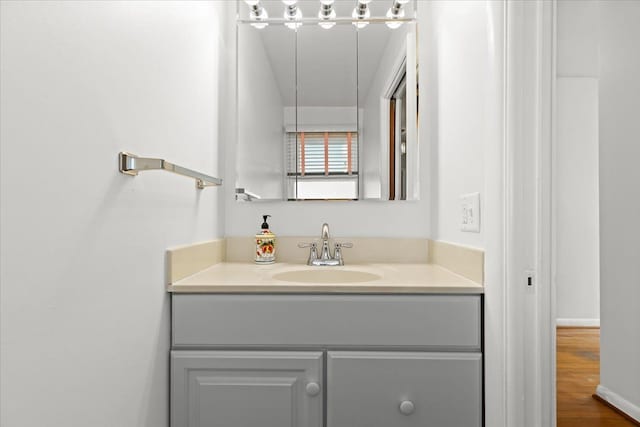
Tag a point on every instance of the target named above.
point(326, 276)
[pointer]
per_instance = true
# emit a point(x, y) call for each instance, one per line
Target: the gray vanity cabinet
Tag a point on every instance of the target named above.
point(359, 360)
point(382, 389)
point(246, 388)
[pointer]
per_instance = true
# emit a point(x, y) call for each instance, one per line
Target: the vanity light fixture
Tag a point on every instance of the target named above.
point(257, 13)
point(361, 11)
point(292, 13)
point(326, 14)
point(396, 11)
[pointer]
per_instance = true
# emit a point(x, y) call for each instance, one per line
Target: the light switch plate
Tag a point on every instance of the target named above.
point(470, 212)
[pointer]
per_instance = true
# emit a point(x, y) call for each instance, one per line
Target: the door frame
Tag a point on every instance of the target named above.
point(391, 84)
point(520, 235)
point(530, 125)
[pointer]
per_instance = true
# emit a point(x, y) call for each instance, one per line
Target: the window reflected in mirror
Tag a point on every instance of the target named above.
point(322, 165)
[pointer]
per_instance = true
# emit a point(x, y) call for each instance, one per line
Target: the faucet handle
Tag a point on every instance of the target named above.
point(344, 245)
point(313, 252)
point(338, 253)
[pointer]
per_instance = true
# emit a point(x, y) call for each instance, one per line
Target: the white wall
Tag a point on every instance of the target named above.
point(456, 51)
point(619, 201)
point(319, 119)
point(576, 164)
point(260, 160)
point(84, 311)
point(462, 121)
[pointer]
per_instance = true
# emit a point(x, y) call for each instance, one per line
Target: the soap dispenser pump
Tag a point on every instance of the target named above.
point(265, 244)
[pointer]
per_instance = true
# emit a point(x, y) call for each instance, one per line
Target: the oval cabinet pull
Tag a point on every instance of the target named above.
point(407, 407)
point(312, 389)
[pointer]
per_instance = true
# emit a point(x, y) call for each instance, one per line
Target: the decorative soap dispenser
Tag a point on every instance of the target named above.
point(265, 244)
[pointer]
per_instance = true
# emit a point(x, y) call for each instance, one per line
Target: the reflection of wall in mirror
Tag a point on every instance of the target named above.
point(260, 155)
point(321, 119)
point(375, 141)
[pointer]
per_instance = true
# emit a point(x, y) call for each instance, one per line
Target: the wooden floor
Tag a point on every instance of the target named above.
point(578, 375)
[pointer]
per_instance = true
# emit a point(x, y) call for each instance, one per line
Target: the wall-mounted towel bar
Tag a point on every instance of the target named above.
point(243, 195)
point(131, 164)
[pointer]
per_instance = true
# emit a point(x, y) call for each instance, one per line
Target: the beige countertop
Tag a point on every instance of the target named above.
point(244, 277)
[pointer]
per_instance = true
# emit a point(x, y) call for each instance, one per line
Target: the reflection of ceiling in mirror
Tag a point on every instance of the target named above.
point(327, 66)
point(327, 58)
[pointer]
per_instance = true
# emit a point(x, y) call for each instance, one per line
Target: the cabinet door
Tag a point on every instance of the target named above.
point(382, 389)
point(246, 389)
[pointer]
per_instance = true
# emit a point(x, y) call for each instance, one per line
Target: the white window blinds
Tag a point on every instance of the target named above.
point(317, 154)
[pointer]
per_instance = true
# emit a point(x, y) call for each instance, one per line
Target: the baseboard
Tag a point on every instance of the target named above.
point(578, 323)
point(619, 403)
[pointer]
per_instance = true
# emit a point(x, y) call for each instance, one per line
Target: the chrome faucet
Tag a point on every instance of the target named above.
point(324, 235)
point(325, 258)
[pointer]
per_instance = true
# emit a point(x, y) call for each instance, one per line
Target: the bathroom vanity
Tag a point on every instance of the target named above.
point(373, 343)
point(404, 349)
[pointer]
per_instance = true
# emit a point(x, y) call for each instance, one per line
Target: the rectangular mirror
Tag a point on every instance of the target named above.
point(327, 100)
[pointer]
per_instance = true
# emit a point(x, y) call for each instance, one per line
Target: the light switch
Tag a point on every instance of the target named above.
point(470, 212)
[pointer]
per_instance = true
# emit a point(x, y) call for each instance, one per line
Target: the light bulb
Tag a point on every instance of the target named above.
point(331, 15)
point(357, 14)
point(292, 12)
point(296, 16)
point(394, 24)
point(327, 25)
point(259, 14)
point(293, 26)
point(326, 14)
